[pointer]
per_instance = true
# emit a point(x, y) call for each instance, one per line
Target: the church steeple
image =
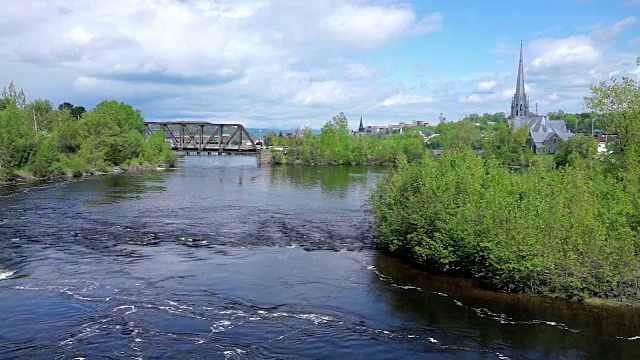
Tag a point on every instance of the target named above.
point(520, 101)
point(361, 127)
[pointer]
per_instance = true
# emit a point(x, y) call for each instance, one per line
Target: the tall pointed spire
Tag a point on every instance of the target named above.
point(361, 127)
point(520, 102)
point(520, 81)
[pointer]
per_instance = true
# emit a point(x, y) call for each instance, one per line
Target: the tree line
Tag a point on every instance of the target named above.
point(568, 227)
point(37, 140)
point(336, 146)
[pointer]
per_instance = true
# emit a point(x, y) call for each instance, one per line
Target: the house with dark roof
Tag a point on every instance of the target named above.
point(544, 134)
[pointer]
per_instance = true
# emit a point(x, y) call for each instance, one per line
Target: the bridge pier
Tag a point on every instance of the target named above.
point(264, 156)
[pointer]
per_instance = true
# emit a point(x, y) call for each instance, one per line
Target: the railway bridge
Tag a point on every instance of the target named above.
point(204, 137)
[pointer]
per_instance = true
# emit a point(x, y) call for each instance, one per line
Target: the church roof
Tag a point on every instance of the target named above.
point(542, 129)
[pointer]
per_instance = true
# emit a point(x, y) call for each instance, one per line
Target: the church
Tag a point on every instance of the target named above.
point(544, 134)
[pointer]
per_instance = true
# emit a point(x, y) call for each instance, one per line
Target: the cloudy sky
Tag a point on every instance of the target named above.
point(289, 63)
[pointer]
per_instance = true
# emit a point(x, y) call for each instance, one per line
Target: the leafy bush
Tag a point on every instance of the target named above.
point(540, 230)
point(36, 139)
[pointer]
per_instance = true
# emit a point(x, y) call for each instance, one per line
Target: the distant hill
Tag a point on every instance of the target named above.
point(255, 132)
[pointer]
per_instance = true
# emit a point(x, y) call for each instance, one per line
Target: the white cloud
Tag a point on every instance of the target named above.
point(605, 32)
point(322, 93)
point(405, 99)
point(486, 98)
point(78, 35)
point(367, 27)
point(574, 50)
point(487, 85)
point(430, 23)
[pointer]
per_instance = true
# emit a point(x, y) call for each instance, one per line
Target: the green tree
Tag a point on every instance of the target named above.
point(618, 105)
point(69, 136)
point(40, 112)
point(15, 96)
point(455, 134)
point(46, 157)
point(507, 145)
point(125, 116)
point(17, 141)
point(577, 148)
point(155, 150)
point(269, 137)
point(338, 125)
point(76, 111)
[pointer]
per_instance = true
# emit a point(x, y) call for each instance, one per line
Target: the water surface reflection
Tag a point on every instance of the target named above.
point(537, 326)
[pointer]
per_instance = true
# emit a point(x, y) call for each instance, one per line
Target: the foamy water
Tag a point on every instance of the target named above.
point(6, 274)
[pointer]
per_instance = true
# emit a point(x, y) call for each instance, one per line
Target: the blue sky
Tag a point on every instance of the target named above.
point(290, 63)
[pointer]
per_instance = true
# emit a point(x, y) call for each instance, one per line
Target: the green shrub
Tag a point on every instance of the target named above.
point(539, 230)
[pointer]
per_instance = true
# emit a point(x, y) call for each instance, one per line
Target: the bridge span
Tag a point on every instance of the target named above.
point(204, 137)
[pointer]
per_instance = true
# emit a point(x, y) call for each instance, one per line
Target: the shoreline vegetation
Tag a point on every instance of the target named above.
point(336, 146)
point(564, 226)
point(38, 142)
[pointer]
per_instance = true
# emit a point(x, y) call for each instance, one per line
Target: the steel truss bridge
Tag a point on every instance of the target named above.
point(204, 137)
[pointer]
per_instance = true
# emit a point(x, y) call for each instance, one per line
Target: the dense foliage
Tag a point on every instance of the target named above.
point(564, 231)
point(336, 146)
point(572, 229)
point(37, 140)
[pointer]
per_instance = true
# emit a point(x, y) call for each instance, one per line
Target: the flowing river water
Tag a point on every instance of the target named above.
point(221, 259)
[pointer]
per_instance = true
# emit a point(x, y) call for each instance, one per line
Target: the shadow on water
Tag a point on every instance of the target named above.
point(116, 187)
point(535, 326)
point(336, 179)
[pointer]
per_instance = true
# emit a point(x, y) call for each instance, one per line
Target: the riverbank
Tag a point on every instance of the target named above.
point(477, 284)
point(29, 178)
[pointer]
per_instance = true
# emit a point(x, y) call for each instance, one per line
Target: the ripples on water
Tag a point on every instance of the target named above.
point(221, 259)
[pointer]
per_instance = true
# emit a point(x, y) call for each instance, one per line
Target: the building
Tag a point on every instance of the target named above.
point(520, 100)
point(361, 127)
point(544, 134)
point(381, 131)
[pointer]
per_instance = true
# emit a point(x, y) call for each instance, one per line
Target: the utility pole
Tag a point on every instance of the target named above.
point(536, 108)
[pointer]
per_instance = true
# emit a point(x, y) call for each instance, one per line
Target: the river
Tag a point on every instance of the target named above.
point(221, 259)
